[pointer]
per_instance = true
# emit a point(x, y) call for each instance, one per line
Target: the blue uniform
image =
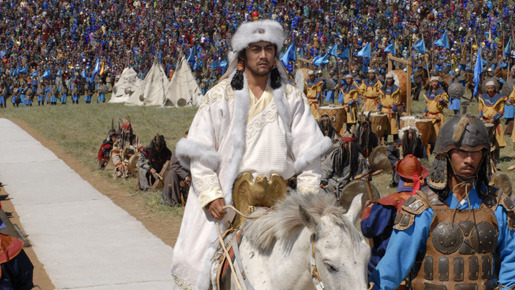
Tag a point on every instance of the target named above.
point(64, 97)
point(378, 219)
point(101, 96)
point(404, 246)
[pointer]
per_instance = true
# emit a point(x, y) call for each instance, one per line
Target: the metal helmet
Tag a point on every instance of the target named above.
point(464, 132)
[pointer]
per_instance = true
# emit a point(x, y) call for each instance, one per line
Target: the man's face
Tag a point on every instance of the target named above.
point(389, 81)
point(348, 80)
point(465, 163)
point(260, 57)
point(434, 84)
point(490, 90)
point(371, 76)
point(311, 77)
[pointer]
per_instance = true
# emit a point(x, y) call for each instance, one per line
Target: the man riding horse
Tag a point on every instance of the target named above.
point(253, 130)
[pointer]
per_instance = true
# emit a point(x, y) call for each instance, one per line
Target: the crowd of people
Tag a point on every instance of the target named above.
point(80, 45)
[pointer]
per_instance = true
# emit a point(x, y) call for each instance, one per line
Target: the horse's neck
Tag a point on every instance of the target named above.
point(286, 266)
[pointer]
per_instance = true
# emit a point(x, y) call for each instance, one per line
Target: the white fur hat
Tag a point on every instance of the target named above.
point(262, 30)
point(435, 78)
point(390, 75)
point(491, 83)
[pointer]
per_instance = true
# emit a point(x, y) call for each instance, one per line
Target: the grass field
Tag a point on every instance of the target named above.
point(80, 129)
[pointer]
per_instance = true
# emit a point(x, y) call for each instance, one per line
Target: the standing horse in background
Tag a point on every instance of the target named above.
point(303, 242)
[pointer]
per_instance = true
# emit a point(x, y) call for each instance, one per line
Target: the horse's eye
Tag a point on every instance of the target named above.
point(330, 267)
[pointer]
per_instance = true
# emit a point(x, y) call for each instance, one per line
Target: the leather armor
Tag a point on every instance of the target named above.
point(461, 244)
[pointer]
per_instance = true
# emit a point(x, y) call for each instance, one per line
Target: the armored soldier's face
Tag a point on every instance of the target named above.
point(465, 163)
point(260, 57)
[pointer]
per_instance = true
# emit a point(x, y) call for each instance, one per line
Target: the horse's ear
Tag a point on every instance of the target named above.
point(307, 219)
point(354, 211)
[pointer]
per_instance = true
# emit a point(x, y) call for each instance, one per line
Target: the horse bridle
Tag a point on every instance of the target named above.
point(319, 285)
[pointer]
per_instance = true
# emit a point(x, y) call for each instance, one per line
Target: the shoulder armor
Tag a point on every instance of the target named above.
point(431, 196)
point(509, 206)
point(415, 205)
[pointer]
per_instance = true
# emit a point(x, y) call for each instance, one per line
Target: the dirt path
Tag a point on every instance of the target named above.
point(165, 228)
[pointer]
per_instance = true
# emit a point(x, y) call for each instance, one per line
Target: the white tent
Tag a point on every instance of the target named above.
point(183, 90)
point(126, 85)
point(152, 92)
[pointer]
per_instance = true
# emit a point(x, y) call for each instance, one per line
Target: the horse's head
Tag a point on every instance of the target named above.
point(340, 251)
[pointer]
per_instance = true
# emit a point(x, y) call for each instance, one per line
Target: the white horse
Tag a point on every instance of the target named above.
point(302, 241)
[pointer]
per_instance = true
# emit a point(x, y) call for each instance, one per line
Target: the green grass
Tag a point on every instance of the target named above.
point(80, 129)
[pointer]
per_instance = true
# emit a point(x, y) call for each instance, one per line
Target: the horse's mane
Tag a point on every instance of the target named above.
point(283, 221)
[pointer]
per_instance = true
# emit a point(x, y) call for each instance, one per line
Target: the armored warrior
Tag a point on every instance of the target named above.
point(457, 233)
point(349, 97)
point(371, 90)
point(389, 104)
point(378, 217)
point(313, 90)
point(436, 100)
point(252, 134)
point(491, 109)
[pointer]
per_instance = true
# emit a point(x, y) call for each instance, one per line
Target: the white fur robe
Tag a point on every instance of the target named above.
point(284, 138)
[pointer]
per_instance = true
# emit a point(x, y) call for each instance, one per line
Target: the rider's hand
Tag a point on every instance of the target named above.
point(216, 208)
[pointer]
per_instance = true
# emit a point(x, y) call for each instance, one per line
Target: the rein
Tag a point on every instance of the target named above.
point(226, 252)
point(319, 285)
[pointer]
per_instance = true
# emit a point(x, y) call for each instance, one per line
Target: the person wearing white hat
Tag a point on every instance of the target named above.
point(371, 90)
point(253, 125)
point(390, 101)
point(348, 97)
point(313, 89)
point(436, 100)
point(491, 109)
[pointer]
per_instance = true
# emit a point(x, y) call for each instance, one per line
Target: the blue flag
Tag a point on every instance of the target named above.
point(59, 73)
point(215, 64)
point(478, 69)
point(34, 73)
point(196, 65)
point(345, 53)
point(320, 60)
point(46, 74)
point(289, 55)
point(365, 51)
point(83, 74)
point(333, 50)
point(507, 48)
point(24, 70)
point(191, 57)
point(443, 41)
point(420, 46)
point(390, 49)
point(97, 67)
point(223, 64)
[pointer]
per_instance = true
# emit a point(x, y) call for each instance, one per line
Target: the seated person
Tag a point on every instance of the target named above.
point(378, 217)
point(327, 128)
point(124, 148)
point(151, 160)
point(342, 165)
point(409, 143)
point(177, 182)
point(105, 148)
